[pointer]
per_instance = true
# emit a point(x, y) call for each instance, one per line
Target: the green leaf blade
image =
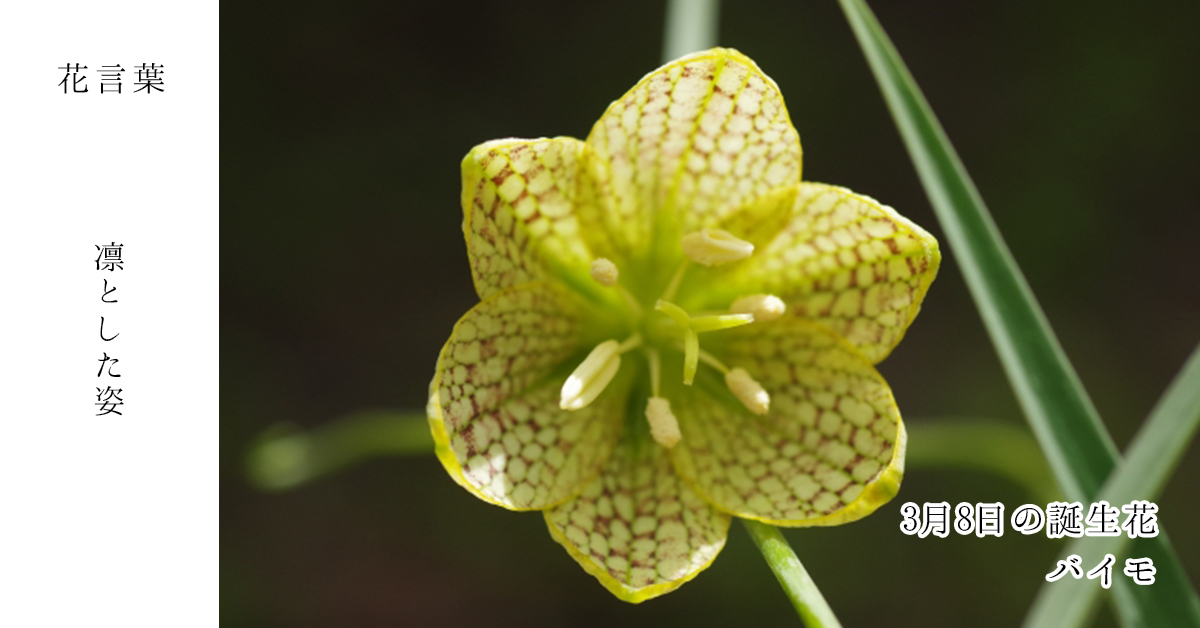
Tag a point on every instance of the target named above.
point(1152, 456)
point(1078, 448)
point(1050, 393)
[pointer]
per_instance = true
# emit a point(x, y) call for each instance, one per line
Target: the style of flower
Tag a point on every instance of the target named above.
point(674, 330)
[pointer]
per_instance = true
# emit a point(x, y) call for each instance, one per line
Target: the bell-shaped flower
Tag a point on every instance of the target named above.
point(674, 329)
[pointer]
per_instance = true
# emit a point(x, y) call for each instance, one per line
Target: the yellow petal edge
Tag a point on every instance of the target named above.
point(638, 528)
point(882, 486)
point(616, 587)
point(524, 453)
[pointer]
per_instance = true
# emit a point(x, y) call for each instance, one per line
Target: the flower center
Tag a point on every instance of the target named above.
point(669, 327)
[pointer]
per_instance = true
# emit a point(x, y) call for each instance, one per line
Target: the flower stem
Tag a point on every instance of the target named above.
point(284, 458)
point(691, 27)
point(814, 611)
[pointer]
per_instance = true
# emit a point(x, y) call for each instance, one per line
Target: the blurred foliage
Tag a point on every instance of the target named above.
point(343, 271)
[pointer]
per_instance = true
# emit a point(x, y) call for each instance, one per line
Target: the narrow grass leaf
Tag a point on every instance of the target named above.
point(1152, 456)
point(1078, 448)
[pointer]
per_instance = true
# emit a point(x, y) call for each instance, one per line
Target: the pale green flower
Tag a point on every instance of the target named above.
point(676, 244)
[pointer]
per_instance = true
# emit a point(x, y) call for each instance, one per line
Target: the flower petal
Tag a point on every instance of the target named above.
point(844, 260)
point(691, 142)
point(519, 203)
point(829, 450)
point(637, 527)
point(493, 404)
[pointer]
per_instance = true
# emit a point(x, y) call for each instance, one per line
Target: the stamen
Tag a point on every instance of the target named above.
point(708, 359)
point(655, 370)
point(748, 391)
point(764, 307)
point(676, 279)
point(604, 271)
point(592, 375)
point(664, 427)
point(631, 343)
point(631, 301)
point(714, 246)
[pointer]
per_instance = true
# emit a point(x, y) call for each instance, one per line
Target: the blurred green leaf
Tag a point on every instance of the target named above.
point(996, 447)
point(1079, 449)
point(285, 457)
point(1151, 458)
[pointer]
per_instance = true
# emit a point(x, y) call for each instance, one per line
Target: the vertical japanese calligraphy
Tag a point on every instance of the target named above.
point(109, 399)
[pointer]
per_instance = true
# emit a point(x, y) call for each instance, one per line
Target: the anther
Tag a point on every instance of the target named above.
point(591, 376)
point(748, 391)
point(664, 427)
point(604, 272)
point(711, 247)
point(764, 307)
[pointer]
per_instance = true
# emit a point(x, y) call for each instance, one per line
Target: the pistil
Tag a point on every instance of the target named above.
point(709, 247)
point(692, 327)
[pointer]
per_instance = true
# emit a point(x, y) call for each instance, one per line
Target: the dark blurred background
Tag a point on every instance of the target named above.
point(343, 271)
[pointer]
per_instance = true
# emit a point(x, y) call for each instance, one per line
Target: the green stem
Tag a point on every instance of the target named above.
point(814, 611)
point(691, 27)
point(284, 458)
